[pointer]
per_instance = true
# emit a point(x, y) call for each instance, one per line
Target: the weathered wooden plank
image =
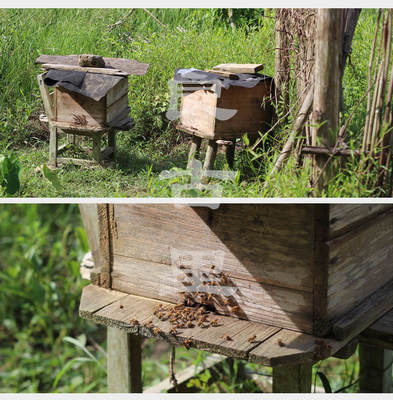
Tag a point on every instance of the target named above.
point(346, 217)
point(254, 301)
point(95, 298)
point(356, 256)
point(263, 348)
point(131, 66)
point(265, 243)
point(292, 378)
point(117, 92)
point(375, 372)
point(117, 110)
point(367, 312)
point(381, 332)
point(124, 362)
point(79, 111)
point(239, 68)
point(48, 106)
point(92, 70)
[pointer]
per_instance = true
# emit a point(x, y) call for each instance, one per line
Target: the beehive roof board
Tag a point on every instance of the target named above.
point(133, 67)
point(193, 75)
point(94, 86)
point(240, 68)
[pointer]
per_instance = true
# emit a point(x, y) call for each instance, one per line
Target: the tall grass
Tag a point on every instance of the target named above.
point(199, 38)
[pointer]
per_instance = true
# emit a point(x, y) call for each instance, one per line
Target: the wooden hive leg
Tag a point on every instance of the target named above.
point(112, 142)
point(375, 369)
point(194, 149)
point(292, 378)
point(124, 362)
point(52, 145)
point(211, 153)
point(230, 154)
point(97, 147)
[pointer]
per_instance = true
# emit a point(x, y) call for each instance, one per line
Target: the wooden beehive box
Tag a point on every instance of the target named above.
point(313, 268)
point(200, 106)
point(76, 109)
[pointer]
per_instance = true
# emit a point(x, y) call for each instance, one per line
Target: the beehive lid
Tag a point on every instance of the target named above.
point(239, 68)
point(131, 67)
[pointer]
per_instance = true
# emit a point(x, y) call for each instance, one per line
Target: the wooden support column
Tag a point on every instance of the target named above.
point(112, 141)
point(211, 153)
point(124, 363)
point(52, 145)
point(328, 48)
point(375, 369)
point(292, 378)
point(194, 149)
point(97, 147)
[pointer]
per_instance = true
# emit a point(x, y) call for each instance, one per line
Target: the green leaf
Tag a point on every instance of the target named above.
point(52, 177)
point(325, 382)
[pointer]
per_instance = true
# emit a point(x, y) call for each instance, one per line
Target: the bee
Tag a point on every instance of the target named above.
point(189, 302)
point(173, 331)
point(156, 330)
point(149, 323)
point(121, 306)
point(187, 343)
point(235, 309)
point(280, 343)
point(182, 267)
point(204, 274)
point(134, 321)
point(212, 267)
point(226, 337)
point(227, 302)
point(252, 338)
point(160, 315)
point(189, 324)
point(189, 274)
point(214, 322)
point(210, 297)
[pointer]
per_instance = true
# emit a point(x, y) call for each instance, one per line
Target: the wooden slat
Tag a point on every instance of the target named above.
point(117, 92)
point(92, 70)
point(266, 243)
point(131, 66)
point(118, 109)
point(239, 68)
point(366, 313)
point(381, 332)
point(360, 262)
point(119, 312)
point(345, 217)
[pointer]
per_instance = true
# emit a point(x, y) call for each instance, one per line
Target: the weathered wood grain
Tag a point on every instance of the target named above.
point(360, 262)
point(366, 313)
point(92, 70)
point(381, 332)
point(131, 66)
point(117, 92)
point(239, 68)
point(124, 362)
point(346, 217)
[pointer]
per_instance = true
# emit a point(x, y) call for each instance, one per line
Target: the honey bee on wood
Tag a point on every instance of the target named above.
point(214, 322)
point(204, 274)
point(227, 302)
point(187, 344)
point(173, 331)
point(189, 324)
point(156, 330)
point(252, 338)
point(149, 323)
point(212, 267)
point(226, 337)
point(210, 297)
point(121, 306)
point(235, 309)
point(280, 343)
point(182, 267)
point(134, 321)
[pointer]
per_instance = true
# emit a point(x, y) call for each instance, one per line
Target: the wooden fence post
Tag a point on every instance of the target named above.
point(328, 48)
point(375, 369)
point(292, 378)
point(124, 363)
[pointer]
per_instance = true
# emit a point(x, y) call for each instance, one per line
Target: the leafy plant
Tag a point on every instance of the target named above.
point(10, 170)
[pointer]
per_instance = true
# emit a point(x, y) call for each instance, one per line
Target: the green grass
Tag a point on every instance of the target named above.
point(198, 38)
point(41, 247)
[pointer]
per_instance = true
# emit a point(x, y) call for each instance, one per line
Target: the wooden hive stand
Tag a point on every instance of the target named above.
point(200, 104)
point(77, 115)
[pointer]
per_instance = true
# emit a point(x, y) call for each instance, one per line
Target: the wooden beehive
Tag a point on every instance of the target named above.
point(200, 106)
point(74, 109)
point(313, 268)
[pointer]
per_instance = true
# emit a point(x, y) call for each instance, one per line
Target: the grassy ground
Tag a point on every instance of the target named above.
point(46, 347)
point(197, 38)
